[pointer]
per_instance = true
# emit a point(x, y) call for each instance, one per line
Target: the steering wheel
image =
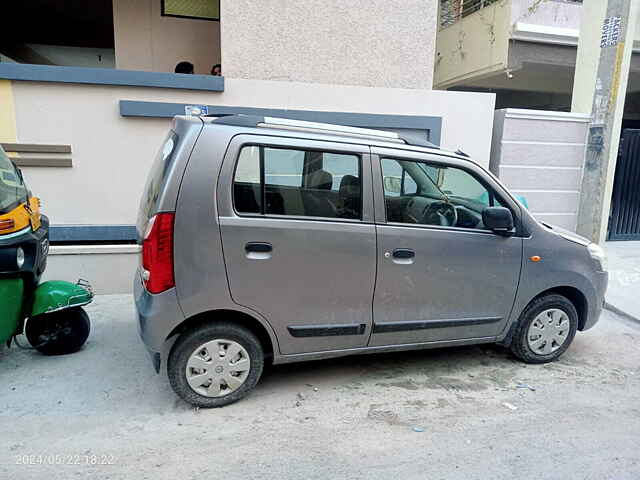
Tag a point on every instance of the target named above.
point(440, 213)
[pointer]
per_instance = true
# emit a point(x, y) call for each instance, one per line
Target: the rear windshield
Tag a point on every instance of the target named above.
point(158, 176)
point(12, 190)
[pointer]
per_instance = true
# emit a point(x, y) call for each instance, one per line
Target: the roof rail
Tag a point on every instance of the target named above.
point(316, 127)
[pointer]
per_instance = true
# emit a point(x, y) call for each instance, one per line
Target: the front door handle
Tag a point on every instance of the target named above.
point(258, 247)
point(403, 253)
point(403, 256)
point(258, 250)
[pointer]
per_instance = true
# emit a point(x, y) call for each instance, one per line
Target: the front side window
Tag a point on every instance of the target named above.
point(310, 183)
point(428, 194)
point(12, 189)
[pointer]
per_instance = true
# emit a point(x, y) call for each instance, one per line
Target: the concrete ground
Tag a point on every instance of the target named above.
point(346, 418)
point(624, 277)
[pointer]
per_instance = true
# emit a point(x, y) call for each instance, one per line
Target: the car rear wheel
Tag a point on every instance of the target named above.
point(215, 365)
point(545, 329)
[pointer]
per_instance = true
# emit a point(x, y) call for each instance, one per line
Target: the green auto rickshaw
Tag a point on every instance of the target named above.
point(50, 314)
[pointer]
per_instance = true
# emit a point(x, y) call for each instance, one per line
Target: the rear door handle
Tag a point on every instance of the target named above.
point(258, 250)
point(403, 253)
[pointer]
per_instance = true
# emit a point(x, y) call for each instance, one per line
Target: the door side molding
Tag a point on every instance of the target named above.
point(326, 330)
point(389, 327)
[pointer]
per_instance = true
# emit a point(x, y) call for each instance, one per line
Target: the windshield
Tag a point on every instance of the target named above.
point(12, 190)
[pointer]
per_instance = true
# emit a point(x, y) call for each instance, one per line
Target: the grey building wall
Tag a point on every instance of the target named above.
point(539, 155)
point(382, 43)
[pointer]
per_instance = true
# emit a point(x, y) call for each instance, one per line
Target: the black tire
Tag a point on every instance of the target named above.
point(191, 340)
point(58, 333)
point(520, 345)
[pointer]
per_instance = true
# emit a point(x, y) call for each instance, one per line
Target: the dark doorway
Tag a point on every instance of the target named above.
point(54, 32)
point(624, 221)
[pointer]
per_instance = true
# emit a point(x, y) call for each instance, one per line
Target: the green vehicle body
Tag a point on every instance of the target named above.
point(57, 295)
point(48, 297)
point(11, 291)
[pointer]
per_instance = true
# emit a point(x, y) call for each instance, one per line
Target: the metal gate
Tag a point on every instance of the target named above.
point(624, 222)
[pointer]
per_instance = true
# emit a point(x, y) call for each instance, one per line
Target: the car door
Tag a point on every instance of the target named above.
point(439, 278)
point(299, 241)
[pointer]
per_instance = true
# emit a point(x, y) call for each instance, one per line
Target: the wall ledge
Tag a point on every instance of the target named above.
point(94, 249)
point(545, 115)
point(39, 155)
point(92, 233)
point(432, 124)
point(108, 76)
point(526, 32)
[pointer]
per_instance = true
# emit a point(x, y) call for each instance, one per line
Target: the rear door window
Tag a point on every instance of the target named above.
point(309, 183)
point(283, 167)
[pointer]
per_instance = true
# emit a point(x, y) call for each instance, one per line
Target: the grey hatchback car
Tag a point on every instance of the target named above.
point(276, 240)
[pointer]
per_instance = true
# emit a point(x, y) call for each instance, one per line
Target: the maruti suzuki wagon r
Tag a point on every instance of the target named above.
point(276, 240)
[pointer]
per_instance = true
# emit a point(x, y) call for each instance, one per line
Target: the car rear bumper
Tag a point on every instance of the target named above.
point(157, 316)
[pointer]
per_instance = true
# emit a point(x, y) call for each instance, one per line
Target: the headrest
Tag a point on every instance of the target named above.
point(321, 180)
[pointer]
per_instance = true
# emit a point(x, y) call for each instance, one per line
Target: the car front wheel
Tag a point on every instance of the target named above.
point(545, 329)
point(215, 365)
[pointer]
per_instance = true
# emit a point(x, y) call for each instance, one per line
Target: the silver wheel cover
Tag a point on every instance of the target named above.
point(218, 368)
point(548, 331)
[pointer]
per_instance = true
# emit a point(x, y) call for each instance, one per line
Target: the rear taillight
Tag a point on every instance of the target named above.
point(157, 254)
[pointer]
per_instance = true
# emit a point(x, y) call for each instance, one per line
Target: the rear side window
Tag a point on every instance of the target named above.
point(158, 175)
point(309, 183)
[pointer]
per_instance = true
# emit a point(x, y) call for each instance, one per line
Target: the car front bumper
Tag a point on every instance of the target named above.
point(596, 304)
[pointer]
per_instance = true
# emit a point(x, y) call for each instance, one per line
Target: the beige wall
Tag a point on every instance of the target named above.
point(474, 51)
point(145, 40)
point(475, 46)
point(112, 154)
point(386, 43)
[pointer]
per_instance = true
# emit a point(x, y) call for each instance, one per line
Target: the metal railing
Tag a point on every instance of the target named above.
point(452, 11)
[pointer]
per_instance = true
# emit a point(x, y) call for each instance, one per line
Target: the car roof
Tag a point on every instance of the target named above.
point(345, 134)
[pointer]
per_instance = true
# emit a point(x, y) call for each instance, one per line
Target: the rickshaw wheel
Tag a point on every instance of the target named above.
point(58, 333)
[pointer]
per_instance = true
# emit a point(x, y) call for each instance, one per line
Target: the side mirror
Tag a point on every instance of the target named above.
point(498, 219)
point(392, 184)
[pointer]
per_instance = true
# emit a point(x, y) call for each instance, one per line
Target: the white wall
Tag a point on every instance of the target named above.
point(386, 43)
point(109, 268)
point(552, 13)
point(112, 155)
point(540, 155)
